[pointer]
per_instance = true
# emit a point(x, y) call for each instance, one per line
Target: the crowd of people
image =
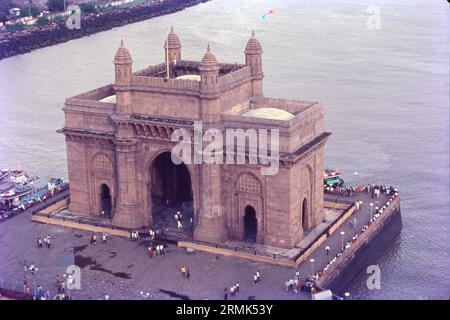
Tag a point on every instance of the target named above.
point(296, 285)
point(234, 289)
point(393, 192)
point(156, 250)
point(372, 188)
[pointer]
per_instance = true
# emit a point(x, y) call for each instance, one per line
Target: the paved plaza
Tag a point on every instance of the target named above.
point(121, 268)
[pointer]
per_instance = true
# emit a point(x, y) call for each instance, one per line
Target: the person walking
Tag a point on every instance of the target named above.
point(286, 284)
point(32, 268)
point(104, 238)
point(48, 241)
point(94, 239)
point(237, 286)
point(225, 294)
point(327, 250)
point(39, 242)
point(258, 276)
point(232, 289)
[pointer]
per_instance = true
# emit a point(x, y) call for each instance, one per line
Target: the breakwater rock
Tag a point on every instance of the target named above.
point(28, 39)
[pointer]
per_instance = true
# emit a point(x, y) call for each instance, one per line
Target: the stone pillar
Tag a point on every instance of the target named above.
point(211, 225)
point(128, 211)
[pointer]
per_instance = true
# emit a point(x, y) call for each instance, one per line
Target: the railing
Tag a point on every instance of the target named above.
point(166, 83)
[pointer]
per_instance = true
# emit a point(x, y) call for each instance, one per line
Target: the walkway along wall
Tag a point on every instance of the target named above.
point(364, 250)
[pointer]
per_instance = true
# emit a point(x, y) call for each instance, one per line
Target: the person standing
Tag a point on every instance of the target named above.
point(225, 294)
point(32, 268)
point(232, 290)
point(25, 285)
point(286, 284)
point(39, 242)
point(237, 286)
point(295, 286)
point(255, 279)
point(48, 241)
point(150, 251)
point(327, 249)
point(104, 238)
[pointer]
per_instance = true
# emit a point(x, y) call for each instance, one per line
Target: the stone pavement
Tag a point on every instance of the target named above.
point(122, 269)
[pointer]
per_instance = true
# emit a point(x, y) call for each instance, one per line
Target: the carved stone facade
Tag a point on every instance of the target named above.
point(117, 136)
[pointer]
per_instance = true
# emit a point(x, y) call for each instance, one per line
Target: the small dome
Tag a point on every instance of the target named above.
point(209, 59)
point(122, 55)
point(253, 45)
point(172, 40)
point(269, 113)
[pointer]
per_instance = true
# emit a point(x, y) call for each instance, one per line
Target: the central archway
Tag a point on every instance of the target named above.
point(250, 224)
point(171, 191)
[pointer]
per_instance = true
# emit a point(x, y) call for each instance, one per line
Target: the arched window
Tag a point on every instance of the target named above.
point(102, 163)
point(248, 183)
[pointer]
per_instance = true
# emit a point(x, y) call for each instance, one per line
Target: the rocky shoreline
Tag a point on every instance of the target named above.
point(23, 41)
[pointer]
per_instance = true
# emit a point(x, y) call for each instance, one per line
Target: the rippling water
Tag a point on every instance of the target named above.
point(386, 94)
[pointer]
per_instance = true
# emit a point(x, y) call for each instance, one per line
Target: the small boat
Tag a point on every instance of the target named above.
point(332, 178)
